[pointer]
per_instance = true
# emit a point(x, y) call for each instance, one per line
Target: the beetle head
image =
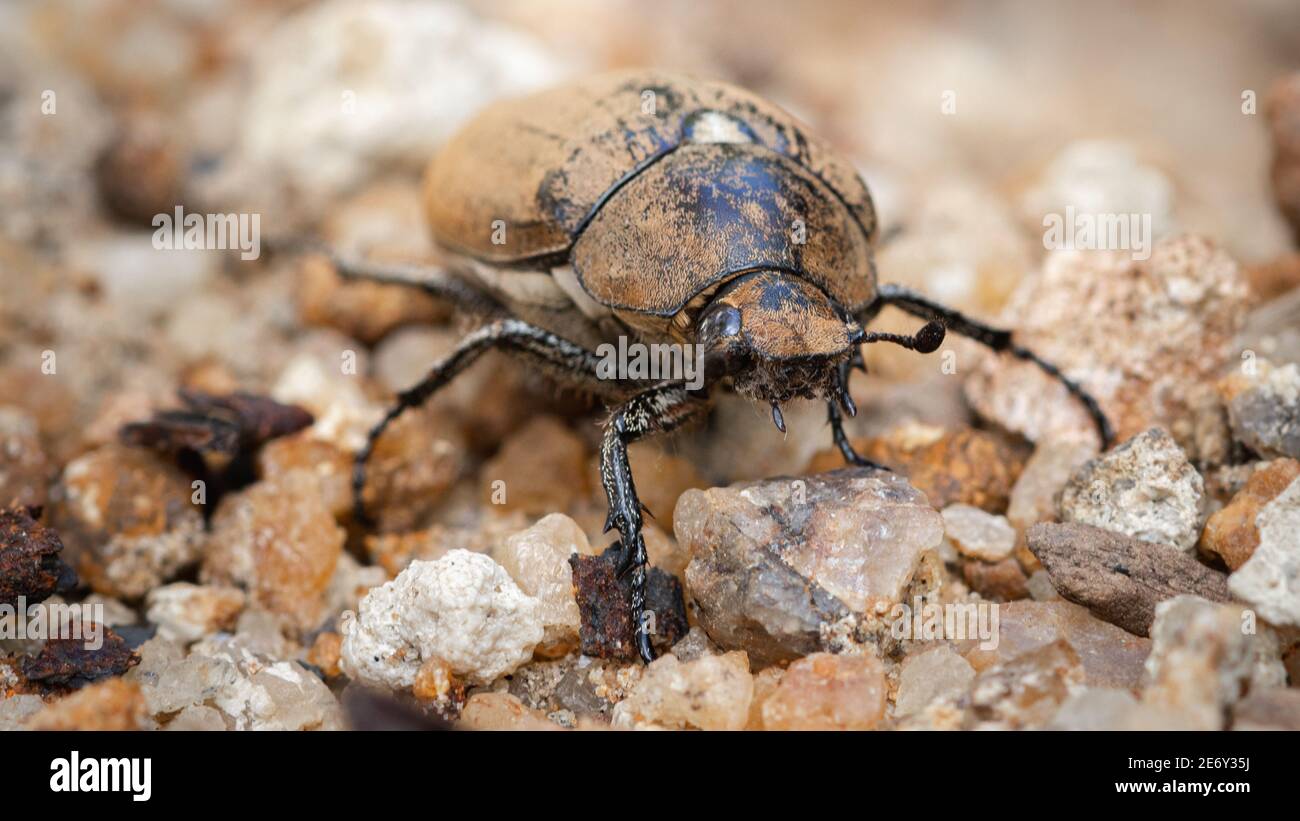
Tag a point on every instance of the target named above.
point(777, 336)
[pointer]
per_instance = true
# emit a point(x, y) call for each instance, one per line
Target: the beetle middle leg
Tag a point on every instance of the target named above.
point(659, 409)
point(994, 338)
point(559, 355)
point(433, 280)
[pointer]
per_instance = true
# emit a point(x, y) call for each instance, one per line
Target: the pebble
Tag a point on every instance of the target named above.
point(112, 705)
point(1101, 177)
point(325, 653)
point(186, 612)
point(709, 693)
point(540, 469)
point(607, 623)
point(127, 520)
point(1205, 656)
point(278, 540)
point(322, 117)
point(394, 551)
point(501, 711)
point(828, 692)
point(1144, 488)
point(966, 466)
point(463, 609)
point(1095, 708)
point(24, 469)
point(1275, 708)
point(249, 690)
point(365, 311)
point(538, 560)
point(774, 562)
point(331, 466)
point(1054, 461)
point(1110, 656)
point(1270, 579)
point(413, 465)
point(1159, 333)
point(1232, 532)
point(1264, 409)
point(1003, 580)
point(929, 676)
point(977, 534)
point(1120, 579)
point(1026, 691)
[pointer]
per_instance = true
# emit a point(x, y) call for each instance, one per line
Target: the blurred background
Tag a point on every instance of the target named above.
point(969, 120)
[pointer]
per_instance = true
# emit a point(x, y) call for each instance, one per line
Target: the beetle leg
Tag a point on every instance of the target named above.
point(432, 279)
point(994, 338)
point(837, 420)
point(508, 334)
point(657, 410)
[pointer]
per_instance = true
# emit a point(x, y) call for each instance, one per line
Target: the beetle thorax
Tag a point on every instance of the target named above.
point(776, 336)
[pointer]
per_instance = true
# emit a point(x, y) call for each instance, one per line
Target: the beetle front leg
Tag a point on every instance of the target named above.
point(660, 409)
point(837, 420)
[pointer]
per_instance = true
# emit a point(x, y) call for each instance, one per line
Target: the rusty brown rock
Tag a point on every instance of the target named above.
point(999, 581)
point(30, 566)
point(69, 664)
point(278, 540)
point(324, 653)
point(327, 461)
point(1231, 532)
point(605, 611)
point(1118, 578)
point(128, 520)
point(966, 466)
point(113, 704)
point(412, 466)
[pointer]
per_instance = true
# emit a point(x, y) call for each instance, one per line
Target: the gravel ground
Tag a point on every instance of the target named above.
point(177, 424)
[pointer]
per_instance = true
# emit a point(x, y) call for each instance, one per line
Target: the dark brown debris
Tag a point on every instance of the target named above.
point(68, 664)
point(172, 431)
point(604, 604)
point(1119, 578)
point(30, 566)
point(228, 425)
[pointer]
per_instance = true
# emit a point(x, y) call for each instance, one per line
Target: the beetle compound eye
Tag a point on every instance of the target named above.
point(721, 323)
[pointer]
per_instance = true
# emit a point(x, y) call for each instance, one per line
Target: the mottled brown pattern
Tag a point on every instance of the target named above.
point(710, 211)
point(783, 317)
point(542, 163)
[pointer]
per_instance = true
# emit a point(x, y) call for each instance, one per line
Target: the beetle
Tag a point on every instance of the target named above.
point(659, 207)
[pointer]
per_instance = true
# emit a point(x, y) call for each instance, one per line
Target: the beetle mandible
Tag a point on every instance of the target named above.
point(578, 215)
